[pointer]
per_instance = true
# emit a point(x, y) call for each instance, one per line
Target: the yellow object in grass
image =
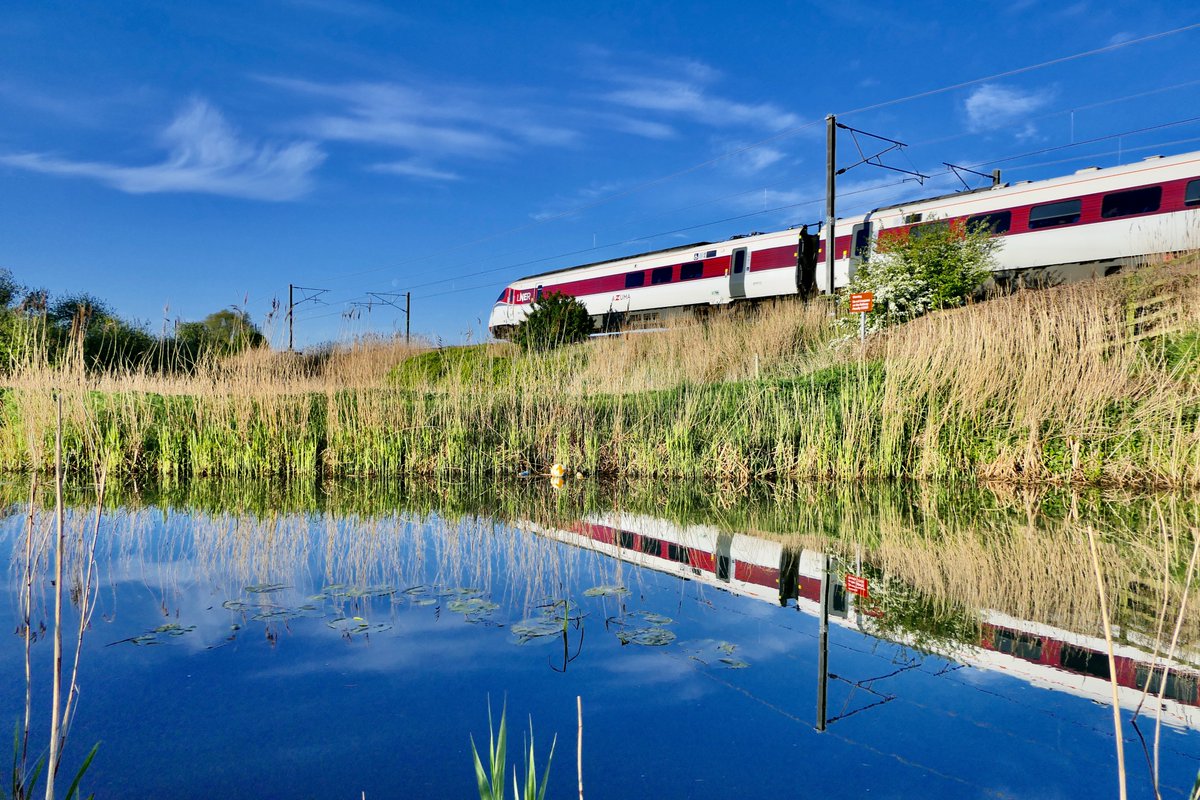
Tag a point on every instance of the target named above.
point(558, 470)
point(557, 482)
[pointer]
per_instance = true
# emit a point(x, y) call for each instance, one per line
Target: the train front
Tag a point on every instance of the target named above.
point(506, 314)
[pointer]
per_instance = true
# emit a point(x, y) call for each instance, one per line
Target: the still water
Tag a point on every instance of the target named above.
point(339, 641)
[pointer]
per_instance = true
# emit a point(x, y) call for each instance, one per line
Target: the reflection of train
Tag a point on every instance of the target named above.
point(1042, 655)
point(1088, 223)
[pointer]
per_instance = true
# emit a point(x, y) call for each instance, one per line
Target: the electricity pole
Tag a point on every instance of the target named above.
point(314, 296)
point(830, 182)
point(382, 297)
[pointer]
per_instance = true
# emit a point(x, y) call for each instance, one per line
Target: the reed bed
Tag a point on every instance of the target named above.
point(1090, 383)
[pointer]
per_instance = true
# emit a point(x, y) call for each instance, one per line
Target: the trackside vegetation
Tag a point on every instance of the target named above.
point(1096, 382)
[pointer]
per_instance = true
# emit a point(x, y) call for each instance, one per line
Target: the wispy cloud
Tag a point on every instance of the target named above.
point(415, 169)
point(994, 106)
point(430, 123)
point(204, 154)
point(684, 88)
point(576, 201)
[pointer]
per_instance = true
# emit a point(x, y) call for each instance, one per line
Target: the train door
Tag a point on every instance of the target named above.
point(737, 274)
point(806, 263)
point(860, 246)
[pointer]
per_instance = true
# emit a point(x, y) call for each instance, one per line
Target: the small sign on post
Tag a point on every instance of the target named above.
point(856, 584)
point(862, 303)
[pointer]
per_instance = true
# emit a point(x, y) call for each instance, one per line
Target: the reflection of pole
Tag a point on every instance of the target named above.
point(823, 651)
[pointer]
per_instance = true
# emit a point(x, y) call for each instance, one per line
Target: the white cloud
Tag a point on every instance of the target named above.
point(415, 169)
point(994, 106)
point(683, 88)
point(438, 122)
point(205, 155)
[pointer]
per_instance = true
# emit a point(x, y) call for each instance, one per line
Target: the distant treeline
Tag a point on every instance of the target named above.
point(38, 327)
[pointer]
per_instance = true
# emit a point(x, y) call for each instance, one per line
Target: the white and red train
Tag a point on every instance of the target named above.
point(1091, 222)
point(1040, 654)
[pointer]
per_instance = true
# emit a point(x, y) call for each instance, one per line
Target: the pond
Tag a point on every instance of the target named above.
point(346, 640)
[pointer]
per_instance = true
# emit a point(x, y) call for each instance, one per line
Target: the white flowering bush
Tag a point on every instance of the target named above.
point(913, 275)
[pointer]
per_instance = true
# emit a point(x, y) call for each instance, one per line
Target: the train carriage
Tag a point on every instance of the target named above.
point(1092, 222)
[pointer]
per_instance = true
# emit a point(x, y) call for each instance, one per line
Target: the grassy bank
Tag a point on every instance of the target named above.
point(1094, 383)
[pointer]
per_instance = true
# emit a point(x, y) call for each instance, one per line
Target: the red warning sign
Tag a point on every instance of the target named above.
point(856, 584)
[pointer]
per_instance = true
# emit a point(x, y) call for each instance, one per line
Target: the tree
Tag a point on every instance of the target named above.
point(9, 288)
point(554, 320)
point(223, 333)
point(938, 265)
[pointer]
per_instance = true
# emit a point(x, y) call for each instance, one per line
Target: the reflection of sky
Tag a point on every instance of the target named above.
point(307, 713)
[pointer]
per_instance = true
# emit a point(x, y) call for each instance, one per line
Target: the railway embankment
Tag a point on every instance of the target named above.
point(1097, 382)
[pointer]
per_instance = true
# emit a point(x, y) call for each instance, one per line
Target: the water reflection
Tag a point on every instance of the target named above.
point(258, 616)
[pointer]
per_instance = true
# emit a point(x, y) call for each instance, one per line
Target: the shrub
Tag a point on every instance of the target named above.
point(913, 275)
point(555, 320)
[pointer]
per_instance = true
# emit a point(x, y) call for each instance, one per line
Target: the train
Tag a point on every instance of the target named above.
point(794, 577)
point(1093, 222)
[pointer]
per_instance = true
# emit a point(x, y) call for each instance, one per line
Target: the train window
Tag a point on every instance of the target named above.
point(678, 553)
point(1135, 201)
point(649, 546)
point(660, 275)
point(635, 279)
point(739, 261)
point(1018, 644)
point(711, 254)
point(862, 241)
point(1089, 662)
point(995, 222)
point(538, 296)
point(927, 228)
point(691, 270)
point(1050, 215)
point(1179, 687)
point(1192, 196)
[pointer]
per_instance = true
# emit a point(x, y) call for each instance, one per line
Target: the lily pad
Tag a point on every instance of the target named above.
point(416, 590)
point(354, 626)
point(472, 606)
point(647, 637)
point(237, 605)
point(734, 663)
point(535, 628)
point(424, 601)
point(654, 619)
point(266, 588)
point(370, 591)
point(612, 590)
point(726, 647)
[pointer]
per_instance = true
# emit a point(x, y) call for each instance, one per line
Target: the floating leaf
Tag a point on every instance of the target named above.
point(472, 606)
point(370, 591)
point(425, 601)
point(612, 590)
point(266, 588)
point(417, 590)
point(654, 619)
point(647, 637)
point(460, 592)
point(535, 628)
point(237, 605)
point(734, 663)
point(353, 626)
point(726, 647)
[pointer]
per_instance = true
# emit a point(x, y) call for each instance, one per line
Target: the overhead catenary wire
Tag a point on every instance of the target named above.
point(776, 137)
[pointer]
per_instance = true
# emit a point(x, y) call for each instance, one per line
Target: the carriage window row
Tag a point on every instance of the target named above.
point(660, 275)
point(1146, 200)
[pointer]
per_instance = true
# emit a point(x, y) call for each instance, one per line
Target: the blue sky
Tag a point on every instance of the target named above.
point(178, 158)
